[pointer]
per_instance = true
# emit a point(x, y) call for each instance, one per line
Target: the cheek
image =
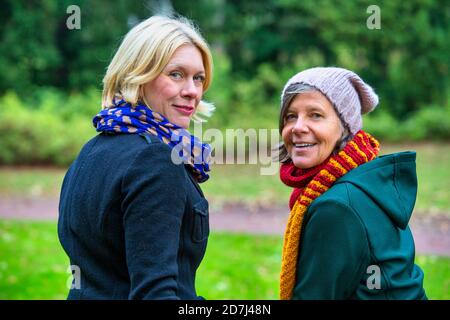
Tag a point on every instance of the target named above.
point(198, 96)
point(333, 135)
point(200, 92)
point(286, 136)
point(164, 88)
point(169, 91)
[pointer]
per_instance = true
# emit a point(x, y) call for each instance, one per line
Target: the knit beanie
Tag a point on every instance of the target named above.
point(349, 94)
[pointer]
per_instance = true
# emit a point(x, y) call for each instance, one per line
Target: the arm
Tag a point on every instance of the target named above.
point(334, 253)
point(154, 201)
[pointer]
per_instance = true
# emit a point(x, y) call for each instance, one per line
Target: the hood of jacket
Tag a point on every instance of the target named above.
point(391, 182)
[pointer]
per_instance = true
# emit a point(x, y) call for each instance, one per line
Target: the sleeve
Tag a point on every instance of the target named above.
point(333, 254)
point(153, 206)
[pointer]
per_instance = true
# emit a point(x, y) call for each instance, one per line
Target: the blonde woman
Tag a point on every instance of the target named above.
point(132, 216)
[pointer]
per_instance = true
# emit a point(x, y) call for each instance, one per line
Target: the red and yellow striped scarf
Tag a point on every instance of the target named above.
point(361, 149)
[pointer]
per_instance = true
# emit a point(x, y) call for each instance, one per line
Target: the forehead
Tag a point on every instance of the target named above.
point(187, 57)
point(310, 100)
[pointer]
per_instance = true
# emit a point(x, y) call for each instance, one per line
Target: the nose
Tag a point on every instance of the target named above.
point(190, 90)
point(300, 126)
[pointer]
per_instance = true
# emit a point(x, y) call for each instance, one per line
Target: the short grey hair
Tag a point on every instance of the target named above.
point(290, 93)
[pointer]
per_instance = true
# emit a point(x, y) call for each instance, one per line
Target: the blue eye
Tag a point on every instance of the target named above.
point(200, 78)
point(316, 115)
point(176, 75)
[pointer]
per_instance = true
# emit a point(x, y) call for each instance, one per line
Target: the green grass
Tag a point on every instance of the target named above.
point(238, 266)
point(33, 265)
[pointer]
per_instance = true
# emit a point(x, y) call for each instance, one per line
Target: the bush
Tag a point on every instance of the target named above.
point(383, 126)
point(41, 135)
point(430, 123)
point(49, 127)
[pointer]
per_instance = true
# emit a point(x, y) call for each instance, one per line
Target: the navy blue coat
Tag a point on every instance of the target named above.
point(134, 223)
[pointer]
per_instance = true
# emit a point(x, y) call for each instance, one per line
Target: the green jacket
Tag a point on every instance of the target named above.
point(356, 243)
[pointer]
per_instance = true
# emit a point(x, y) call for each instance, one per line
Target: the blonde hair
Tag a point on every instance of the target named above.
point(143, 54)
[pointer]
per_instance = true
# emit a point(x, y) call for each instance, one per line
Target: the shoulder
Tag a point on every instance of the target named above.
point(154, 154)
point(337, 196)
point(131, 146)
point(335, 206)
point(138, 142)
point(344, 194)
point(333, 225)
point(133, 153)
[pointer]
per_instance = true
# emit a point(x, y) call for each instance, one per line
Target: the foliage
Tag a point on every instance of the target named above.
point(406, 61)
point(430, 123)
point(51, 131)
point(50, 127)
point(235, 266)
point(44, 52)
point(49, 96)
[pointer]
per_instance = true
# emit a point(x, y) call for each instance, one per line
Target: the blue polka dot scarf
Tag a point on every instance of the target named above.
point(122, 117)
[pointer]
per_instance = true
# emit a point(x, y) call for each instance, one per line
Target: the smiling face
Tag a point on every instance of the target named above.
point(311, 129)
point(177, 91)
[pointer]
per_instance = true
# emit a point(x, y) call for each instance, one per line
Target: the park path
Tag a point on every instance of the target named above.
point(431, 231)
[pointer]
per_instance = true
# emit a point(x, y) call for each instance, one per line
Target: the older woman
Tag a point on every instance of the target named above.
point(133, 219)
point(347, 236)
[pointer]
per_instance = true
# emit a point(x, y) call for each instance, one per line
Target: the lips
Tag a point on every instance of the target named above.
point(186, 110)
point(303, 145)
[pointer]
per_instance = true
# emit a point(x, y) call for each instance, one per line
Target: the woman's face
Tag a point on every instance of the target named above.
point(311, 129)
point(177, 91)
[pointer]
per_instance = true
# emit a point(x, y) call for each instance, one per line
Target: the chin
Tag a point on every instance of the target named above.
point(303, 164)
point(182, 123)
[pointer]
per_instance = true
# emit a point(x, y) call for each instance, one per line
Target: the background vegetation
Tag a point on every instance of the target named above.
point(50, 76)
point(50, 88)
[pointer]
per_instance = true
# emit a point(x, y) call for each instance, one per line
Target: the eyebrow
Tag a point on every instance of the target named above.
point(180, 66)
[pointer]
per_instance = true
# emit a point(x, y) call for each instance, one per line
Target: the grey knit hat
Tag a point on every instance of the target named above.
point(349, 94)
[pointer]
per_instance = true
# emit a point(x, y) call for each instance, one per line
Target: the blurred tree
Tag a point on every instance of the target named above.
point(38, 49)
point(407, 60)
point(28, 53)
